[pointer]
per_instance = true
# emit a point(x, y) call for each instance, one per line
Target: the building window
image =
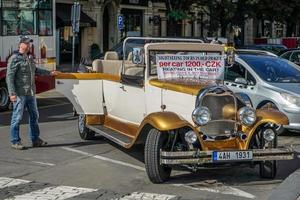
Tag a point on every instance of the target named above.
point(28, 4)
point(133, 21)
point(45, 22)
point(17, 22)
point(45, 4)
point(45, 18)
point(28, 17)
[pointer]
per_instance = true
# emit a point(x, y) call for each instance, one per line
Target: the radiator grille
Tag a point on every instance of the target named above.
point(223, 111)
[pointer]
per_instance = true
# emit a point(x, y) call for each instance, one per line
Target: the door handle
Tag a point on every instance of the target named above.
point(123, 88)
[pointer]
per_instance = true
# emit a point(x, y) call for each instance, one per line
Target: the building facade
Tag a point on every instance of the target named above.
point(107, 22)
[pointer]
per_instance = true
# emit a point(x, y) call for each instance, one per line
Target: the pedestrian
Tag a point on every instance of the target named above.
point(20, 79)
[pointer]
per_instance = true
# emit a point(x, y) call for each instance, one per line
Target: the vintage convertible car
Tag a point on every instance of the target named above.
point(180, 119)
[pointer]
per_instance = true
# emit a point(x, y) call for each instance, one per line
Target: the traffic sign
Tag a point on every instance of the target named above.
point(120, 22)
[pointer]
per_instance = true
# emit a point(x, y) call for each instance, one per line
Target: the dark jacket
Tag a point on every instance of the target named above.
point(20, 76)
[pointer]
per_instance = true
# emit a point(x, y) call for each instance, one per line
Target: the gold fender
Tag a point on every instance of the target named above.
point(165, 121)
point(265, 116)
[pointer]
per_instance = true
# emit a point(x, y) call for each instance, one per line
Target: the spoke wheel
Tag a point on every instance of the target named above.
point(156, 141)
point(84, 132)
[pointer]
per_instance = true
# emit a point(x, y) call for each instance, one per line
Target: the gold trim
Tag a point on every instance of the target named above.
point(88, 76)
point(178, 87)
point(127, 129)
point(222, 145)
point(94, 119)
point(165, 121)
point(264, 116)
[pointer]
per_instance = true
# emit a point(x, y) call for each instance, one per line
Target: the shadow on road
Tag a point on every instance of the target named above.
point(50, 110)
point(77, 144)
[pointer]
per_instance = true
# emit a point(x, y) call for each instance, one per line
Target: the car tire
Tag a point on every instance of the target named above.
point(4, 97)
point(268, 169)
point(156, 172)
point(84, 132)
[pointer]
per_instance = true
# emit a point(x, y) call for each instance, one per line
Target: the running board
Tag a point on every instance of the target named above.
point(112, 135)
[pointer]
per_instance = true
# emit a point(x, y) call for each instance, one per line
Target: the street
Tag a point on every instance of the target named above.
point(98, 169)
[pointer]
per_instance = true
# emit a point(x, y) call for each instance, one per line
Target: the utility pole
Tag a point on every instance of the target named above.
point(75, 18)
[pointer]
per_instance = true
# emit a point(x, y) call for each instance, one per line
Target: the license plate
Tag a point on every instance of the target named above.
point(232, 155)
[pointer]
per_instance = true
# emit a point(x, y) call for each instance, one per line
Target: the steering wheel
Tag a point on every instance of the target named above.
point(271, 74)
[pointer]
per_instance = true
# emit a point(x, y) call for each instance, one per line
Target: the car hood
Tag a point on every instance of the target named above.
point(286, 87)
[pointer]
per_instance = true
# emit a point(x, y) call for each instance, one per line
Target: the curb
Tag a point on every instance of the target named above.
point(289, 189)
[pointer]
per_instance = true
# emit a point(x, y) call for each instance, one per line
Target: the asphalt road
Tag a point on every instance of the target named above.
point(71, 168)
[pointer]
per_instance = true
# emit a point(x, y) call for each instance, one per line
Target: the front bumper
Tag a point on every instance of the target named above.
point(293, 116)
point(203, 157)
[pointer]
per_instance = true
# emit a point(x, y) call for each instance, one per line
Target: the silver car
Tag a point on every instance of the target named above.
point(270, 82)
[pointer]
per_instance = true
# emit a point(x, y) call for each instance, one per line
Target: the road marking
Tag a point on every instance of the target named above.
point(8, 182)
point(43, 163)
point(53, 193)
point(104, 158)
point(221, 189)
point(147, 196)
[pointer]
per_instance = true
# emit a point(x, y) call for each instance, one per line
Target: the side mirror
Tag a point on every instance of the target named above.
point(241, 81)
point(230, 56)
point(138, 56)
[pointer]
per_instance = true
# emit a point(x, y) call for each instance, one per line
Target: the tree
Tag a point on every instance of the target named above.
point(224, 14)
point(177, 10)
point(283, 11)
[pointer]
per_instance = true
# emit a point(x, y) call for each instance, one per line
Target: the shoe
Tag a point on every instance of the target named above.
point(18, 146)
point(39, 143)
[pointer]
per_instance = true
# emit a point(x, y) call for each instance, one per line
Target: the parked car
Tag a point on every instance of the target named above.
point(255, 52)
point(286, 50)
point(270, 82)
point(292, 55)
point(273, 48)
point(179, 120)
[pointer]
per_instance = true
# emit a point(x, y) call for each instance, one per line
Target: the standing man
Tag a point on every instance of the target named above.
point(20, 79)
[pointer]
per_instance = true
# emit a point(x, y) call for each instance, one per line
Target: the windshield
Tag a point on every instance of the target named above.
point(272, 69)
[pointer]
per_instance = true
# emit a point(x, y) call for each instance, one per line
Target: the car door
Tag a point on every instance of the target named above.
point(295, 57)
point(238, 70)
point(83, 90)
point(127, 103)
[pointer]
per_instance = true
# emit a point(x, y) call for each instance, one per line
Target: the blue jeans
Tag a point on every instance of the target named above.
point(28, 102)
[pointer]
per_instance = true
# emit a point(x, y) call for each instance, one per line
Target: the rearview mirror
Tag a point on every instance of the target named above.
point(138, 56)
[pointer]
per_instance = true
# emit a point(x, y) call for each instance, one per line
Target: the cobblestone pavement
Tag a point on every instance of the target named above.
point(18, 189)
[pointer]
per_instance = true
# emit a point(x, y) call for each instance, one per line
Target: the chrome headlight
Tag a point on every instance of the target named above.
point(201, 115)
point(269, 135)
point(247, 116)
point(190, 137)
point(291, 98)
